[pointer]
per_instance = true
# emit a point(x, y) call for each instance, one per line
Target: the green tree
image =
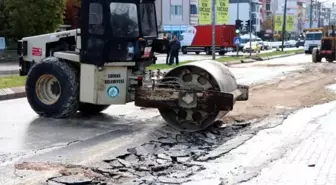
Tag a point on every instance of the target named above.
point(34, 17)
point(4, 23)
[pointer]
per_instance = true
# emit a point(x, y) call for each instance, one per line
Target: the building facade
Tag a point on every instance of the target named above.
point(193, 12)
point(175, 15)
point(244, 12)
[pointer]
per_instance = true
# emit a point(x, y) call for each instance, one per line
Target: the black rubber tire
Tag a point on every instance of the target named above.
point(197, 52)
point(330, 60)
point(221, 53)
point(184, 50)
point(68, 102)
point(91, 109)
point(316, 58)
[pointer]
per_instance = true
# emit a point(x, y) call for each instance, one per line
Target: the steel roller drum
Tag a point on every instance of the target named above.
point(205, 74)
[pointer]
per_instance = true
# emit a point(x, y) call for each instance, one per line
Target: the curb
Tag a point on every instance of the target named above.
point(12, 93)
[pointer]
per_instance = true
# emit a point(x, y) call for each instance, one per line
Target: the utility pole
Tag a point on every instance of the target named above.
point(319, 13)
point(237, 47)
point(250, 27)
point(311, 14)
point(284, 26)
point(332, 13)
point(329, 16)
point(213, 29)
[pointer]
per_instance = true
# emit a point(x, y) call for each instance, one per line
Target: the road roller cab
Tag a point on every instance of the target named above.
point(107, 66)
point(112, 31)
point(328, 46)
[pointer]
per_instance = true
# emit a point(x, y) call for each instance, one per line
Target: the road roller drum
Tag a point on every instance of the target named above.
point(193, 96)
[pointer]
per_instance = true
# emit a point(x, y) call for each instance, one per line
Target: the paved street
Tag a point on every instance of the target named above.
point(282, 135)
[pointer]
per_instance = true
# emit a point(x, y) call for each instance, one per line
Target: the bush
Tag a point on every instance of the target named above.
point(33, 17)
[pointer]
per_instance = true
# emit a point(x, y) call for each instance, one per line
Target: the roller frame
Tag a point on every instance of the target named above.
point(167, 98)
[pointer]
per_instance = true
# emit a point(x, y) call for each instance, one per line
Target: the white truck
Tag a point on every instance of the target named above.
point(312, 40)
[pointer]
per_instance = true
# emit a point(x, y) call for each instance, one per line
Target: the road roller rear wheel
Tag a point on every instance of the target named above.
point(191, 118)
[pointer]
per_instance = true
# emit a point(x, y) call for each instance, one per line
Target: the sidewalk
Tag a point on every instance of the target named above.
point(295, 149)
point(309, 161)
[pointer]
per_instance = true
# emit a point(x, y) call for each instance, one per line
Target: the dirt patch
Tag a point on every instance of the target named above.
point(300, 89)
point(43, 166)
point(62, 169)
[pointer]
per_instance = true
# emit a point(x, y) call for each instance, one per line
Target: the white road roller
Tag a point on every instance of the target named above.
point(104, 63)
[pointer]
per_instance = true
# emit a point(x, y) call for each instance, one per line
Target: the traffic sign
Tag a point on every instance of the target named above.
point(236, 40)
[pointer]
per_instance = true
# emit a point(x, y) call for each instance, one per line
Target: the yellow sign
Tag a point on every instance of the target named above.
point(222, 11)
point(290, 23)
point(278, 23)
point(204, 15)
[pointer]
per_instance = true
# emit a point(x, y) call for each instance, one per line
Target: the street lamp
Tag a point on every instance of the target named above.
point(213, 29)
point(250, 27)
point(311, 14)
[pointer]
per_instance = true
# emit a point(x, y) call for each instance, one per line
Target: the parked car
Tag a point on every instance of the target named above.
point(299, 43)
point(291, 43)
point(265, 45)
point(255, 47)
point(275, 44)
point(286, 45)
